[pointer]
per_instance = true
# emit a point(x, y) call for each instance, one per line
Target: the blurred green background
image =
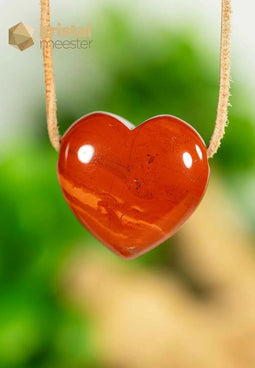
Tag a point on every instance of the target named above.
point(135, 71)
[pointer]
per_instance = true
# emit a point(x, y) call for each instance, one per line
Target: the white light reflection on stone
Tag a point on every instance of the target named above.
point(187, 159)
point(86, 153)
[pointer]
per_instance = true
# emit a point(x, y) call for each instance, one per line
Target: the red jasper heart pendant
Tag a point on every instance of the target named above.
point(132, 188)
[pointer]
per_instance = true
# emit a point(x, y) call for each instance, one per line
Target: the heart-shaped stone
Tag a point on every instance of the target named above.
point(132, 188)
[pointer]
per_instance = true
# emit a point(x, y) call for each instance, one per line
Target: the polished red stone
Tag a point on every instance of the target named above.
point(132, 188)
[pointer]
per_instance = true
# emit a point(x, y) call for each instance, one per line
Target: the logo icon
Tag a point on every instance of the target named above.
point(21, 36)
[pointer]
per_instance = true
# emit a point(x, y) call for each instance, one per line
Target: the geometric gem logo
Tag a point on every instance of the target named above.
point(21, 36)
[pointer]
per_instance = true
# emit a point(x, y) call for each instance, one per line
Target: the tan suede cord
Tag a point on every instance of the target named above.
point(224, 93)
point(50, 88)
